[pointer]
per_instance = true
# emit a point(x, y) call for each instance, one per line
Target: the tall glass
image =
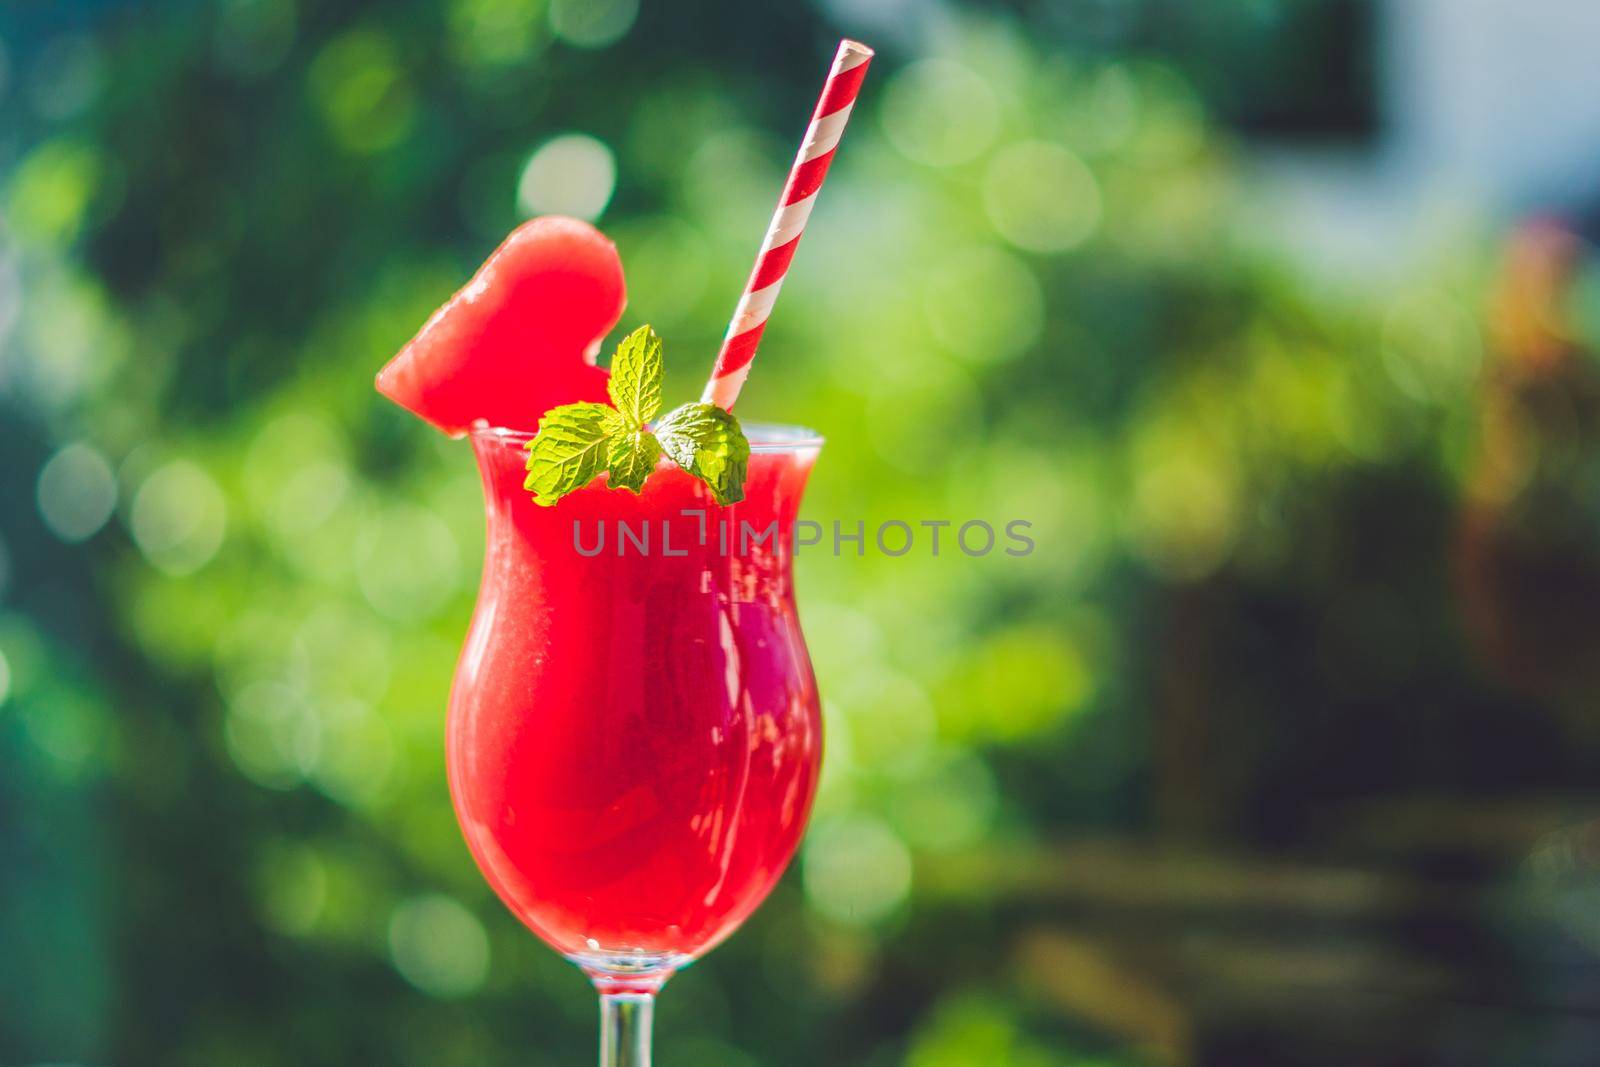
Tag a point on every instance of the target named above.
point(634, 734)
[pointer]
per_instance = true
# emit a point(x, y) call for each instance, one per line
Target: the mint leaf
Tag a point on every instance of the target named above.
point(706, 441)
point(576, 442)
point(631, 458)
point(635, 384)
point(570, 449)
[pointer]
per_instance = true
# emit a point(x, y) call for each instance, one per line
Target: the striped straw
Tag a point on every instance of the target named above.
point(783, 236)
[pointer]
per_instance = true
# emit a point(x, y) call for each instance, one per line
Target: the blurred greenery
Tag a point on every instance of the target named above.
point(1244, 764)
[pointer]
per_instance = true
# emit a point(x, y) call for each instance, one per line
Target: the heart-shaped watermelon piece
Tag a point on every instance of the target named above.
point(520, 338)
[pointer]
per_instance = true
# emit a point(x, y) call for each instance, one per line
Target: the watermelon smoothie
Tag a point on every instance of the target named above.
point(634, 733)
point(634, 736)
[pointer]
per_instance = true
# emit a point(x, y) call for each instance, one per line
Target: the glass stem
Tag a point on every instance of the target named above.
point(625, 1029)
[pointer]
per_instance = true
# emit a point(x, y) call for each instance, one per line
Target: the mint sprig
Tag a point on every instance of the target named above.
point(577, 442)
point(572, 447)
point(706, 441)
point(636, 372)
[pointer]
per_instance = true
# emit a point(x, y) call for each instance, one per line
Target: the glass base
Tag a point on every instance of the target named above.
point(619, 973)
point(628, 983)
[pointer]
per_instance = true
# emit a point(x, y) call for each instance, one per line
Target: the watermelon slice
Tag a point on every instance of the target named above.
point(520, 338)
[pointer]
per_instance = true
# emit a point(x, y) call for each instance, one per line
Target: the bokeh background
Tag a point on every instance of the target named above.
point(1276, 318)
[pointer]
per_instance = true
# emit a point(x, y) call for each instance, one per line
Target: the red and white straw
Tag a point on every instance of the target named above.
point(783, 235)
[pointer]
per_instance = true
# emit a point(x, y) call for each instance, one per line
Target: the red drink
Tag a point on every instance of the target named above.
point(634, 734)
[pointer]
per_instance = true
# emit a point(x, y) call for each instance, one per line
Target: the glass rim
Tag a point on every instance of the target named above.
point(763, 436)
